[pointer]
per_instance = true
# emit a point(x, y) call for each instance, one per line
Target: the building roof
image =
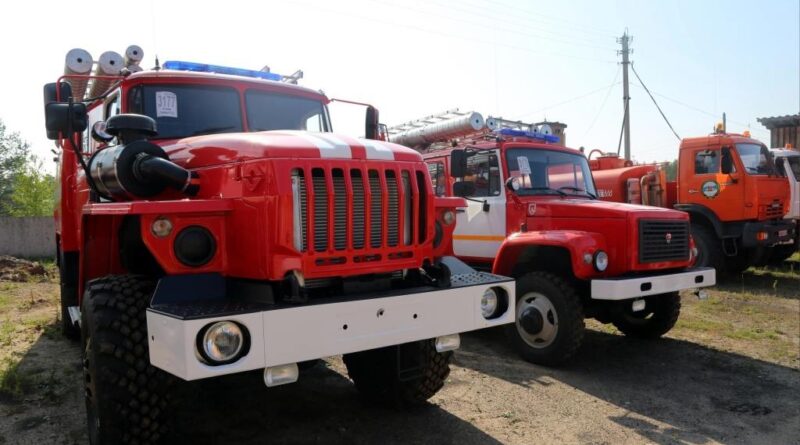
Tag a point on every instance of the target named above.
point(789, 120)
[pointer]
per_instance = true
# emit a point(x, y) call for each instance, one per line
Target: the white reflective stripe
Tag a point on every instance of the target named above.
point(337, 143)
point(327, 149)
point(377, 150)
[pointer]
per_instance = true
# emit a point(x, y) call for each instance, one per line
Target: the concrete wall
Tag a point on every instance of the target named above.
point(29, 237)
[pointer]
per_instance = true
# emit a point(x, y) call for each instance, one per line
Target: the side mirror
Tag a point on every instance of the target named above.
point(464, 188)
point(513, 184)
point(372, 125)
point(99, 132)
point(51, 95)
point(726, 162)
point(458, 163)
point(64, 118)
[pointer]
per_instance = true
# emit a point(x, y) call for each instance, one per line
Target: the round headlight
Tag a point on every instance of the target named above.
point(489, 303)
point(195, 246)
point(449, 217)
point(223, 341)
point(600, 260)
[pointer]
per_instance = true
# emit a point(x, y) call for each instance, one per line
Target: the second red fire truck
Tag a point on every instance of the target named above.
point(533, 214)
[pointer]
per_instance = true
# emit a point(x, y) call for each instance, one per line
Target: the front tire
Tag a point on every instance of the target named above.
point(549, 325)
point(377, 374)
point(126, 397)
point(709, 249)
point(659, 316)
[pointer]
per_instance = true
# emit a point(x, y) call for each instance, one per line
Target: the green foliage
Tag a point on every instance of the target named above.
point(33, 193)
point(671, 169)
point(14, 156)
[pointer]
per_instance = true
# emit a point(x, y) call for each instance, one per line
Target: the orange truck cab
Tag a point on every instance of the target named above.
point(729, 186)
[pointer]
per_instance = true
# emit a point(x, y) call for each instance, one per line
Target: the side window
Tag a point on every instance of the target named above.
point(706, 162)
point(484, 171)
point(436, 171)
point(314, 123)
point(112, 107)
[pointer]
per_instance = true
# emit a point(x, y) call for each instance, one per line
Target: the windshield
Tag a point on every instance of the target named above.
point(756, 159)
point(550, 172)
point(271, 111)
point(186, 110)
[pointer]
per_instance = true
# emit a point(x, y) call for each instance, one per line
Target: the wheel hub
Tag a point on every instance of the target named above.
point(531, 320)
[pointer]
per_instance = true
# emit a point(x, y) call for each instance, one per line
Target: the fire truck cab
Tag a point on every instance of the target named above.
point(533, 214)
point(729, 185)
point(209, 223)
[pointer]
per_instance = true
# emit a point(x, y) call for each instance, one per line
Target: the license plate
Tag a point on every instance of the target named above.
point(783, 232)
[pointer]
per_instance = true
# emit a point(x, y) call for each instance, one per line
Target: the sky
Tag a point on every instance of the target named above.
point(522, 60)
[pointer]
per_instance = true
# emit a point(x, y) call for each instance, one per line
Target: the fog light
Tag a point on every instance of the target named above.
point(448, 343)
point(762, 236)
point(489, 303)
point(195, 246)
point(161, 227)
point(600, 261)
point(448, 217)
point(281, 374)
point(638, 305)
point(223, 342)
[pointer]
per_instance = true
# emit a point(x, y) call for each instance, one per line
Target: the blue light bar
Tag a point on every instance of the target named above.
point(527, 134)
point(206, 68)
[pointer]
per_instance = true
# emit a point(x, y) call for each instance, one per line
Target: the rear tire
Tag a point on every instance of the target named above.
point(659, 317)
point(376, 374)
point(126, 398)
point(548, 327)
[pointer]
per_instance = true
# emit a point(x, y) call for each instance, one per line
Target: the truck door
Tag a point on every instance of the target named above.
point(481, 227)
point(709, 186)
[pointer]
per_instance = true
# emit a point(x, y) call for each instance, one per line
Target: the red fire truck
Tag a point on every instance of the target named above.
point(533, 214)
point(209, 223)
point(729, 185)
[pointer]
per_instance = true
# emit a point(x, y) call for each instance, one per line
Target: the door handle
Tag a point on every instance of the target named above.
point(461, 211)
point(692, 191)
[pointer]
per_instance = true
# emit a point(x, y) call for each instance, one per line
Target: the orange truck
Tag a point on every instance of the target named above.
point(729, 186)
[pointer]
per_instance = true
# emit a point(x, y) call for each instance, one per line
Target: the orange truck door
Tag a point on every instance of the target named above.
point(708, 186)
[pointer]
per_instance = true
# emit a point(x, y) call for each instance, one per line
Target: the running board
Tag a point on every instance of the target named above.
point(74, 315)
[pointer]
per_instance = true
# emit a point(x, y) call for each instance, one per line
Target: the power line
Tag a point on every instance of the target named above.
point(444, 34)
point(565, 102)
point(654, 102)
point(603, 105)
point(536, 15)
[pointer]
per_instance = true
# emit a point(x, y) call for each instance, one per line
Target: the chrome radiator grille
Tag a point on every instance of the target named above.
point(356, 208)
point(663, 241)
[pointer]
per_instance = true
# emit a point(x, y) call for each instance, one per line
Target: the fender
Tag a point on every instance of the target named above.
point(709, 215)
point(577, 243)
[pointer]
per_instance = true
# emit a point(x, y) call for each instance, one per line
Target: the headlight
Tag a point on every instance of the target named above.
point(222, 342)
point(494, 302)
point(600, 261)
point(448, 217)
point(161, 227)
point(195, 246)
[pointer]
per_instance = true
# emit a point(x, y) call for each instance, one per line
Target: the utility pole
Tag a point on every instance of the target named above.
point(625, 40)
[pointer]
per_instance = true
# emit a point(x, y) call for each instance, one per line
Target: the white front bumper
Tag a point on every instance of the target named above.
point(295, 334)
point(629, 288)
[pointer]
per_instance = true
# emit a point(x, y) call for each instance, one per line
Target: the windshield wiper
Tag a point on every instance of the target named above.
point(580, 190)
point(212, 130)
point(546, 189)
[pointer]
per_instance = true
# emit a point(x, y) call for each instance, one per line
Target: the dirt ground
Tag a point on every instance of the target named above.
point(728, 373)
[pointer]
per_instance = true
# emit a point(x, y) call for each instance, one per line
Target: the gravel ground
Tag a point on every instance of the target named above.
point(679, 390)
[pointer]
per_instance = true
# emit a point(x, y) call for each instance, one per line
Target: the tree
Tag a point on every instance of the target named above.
point(14, 156)
point(671, 168)
point(33, 191)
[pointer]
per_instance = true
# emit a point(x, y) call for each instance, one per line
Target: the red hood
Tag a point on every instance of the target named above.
point(209, 150)
point(596, 209)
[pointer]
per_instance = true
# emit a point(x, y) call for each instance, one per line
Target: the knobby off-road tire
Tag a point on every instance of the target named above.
point(375, 374)
point(559, 310)
point(709, 249)
point(69, 294)
point(658, 317)
point(127, 399)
